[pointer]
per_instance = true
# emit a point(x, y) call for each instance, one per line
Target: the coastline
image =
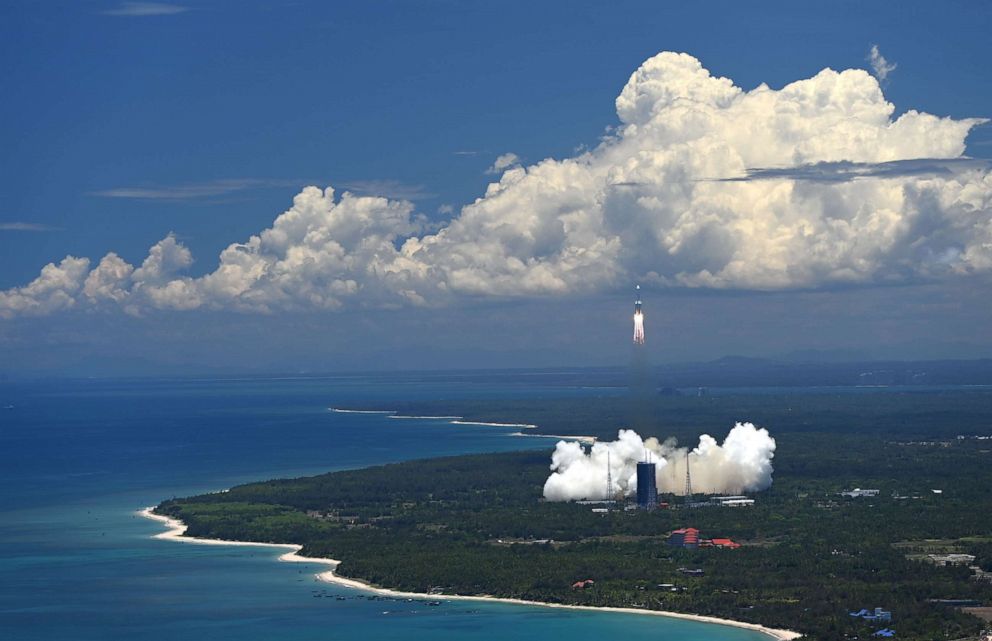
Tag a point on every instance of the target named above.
point(176, 532)
point(177, 529)
point(452, 420)
point(523, 426)
point(587, 440)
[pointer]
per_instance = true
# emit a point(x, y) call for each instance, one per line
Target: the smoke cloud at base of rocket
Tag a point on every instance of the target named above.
point(743, 462)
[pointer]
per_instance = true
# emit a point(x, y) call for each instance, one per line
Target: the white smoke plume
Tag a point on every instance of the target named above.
point(742, 463)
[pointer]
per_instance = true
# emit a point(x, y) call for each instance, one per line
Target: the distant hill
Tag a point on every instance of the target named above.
point(737, 371)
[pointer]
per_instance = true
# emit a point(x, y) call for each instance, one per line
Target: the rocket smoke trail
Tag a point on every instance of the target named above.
point(639, 410)
point(638, 320)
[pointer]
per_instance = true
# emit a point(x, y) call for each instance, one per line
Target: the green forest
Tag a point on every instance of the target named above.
point(478, 524)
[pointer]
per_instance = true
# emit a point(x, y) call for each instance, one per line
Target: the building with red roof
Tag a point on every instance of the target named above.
point(724, 543)
point(687, 537)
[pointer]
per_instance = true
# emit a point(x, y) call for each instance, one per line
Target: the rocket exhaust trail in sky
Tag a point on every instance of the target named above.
point(638, 320)
point(641, 388)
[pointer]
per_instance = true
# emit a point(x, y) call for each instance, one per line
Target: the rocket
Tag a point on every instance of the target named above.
point(638, 320)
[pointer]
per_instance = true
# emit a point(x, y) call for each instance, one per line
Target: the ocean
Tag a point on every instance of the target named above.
point(78, 458)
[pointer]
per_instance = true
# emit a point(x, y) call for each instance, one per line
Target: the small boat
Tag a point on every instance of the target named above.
point(434, 603)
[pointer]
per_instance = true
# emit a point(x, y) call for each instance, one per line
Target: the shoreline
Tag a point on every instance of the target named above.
point(177, 529)
point(452, 420)
point(176, 533)
point(587, 440)
point(523, 426)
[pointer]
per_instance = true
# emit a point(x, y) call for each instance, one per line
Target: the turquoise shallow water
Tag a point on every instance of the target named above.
point(77, 459)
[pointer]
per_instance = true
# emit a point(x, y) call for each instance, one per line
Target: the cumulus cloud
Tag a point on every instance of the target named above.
point(53, 290)
point(702, 184)
point(109, 280)
point(165, 258)
point(879, 64)
point(503, 162)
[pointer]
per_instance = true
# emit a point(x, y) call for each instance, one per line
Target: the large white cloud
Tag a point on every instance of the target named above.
point(669, 198)
point(56, 288)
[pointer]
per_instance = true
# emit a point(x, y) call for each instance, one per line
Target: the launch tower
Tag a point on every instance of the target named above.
point(688, 481)
point(609, 478)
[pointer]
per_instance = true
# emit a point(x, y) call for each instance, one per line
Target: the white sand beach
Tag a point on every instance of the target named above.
point(454, 420)
point(588, 440)
point(176, 530)
point(523, 426)
point(340, 410)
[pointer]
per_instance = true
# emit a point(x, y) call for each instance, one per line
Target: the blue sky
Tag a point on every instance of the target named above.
point(123, 122)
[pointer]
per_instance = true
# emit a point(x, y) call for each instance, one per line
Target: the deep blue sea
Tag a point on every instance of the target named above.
point(77, 459)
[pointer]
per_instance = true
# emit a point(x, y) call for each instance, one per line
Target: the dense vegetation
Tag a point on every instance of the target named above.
point(476, 524)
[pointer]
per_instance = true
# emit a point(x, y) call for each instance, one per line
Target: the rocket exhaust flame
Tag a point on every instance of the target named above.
point(638, 320)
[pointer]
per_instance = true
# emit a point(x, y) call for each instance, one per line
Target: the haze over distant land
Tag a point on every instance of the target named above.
point(809, 215)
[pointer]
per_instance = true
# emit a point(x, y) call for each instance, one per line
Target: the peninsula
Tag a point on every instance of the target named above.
point(806, 557)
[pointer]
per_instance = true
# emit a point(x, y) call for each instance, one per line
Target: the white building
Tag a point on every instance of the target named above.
point(858, 493)
point(732, 501)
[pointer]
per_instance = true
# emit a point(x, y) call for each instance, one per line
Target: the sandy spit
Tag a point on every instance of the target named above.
point(588, 440)
point(340, 410)
point(454, 420)
point(176, 530)
point(525, 426)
